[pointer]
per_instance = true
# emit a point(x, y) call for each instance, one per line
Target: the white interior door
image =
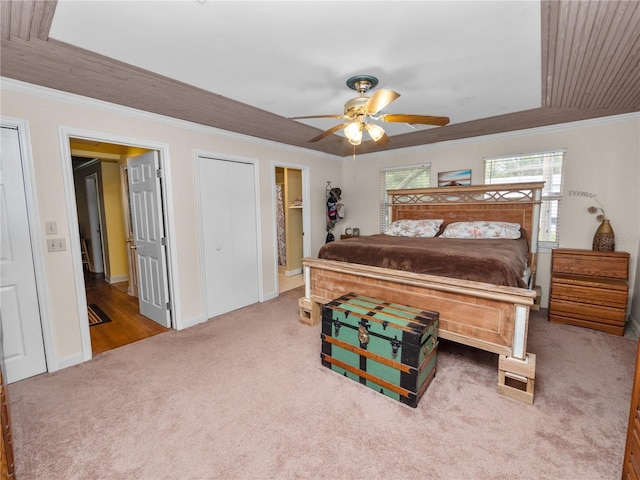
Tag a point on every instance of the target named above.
point(22, 340)
point(145, 200)
point(230, 236)
point(95, 228)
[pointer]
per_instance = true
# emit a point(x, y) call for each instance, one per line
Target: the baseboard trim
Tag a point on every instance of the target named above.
point(633, 327)
point(191, 322)
point(118, 279)
point(271, 296)
point(69, 361)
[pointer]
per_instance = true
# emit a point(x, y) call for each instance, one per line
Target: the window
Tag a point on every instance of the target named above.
point(413, 176)
point(534, 167)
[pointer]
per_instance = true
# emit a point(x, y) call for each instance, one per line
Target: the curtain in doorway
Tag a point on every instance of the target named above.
point(282, 242)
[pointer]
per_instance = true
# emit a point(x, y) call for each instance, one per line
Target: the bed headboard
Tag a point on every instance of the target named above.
point(510, 202)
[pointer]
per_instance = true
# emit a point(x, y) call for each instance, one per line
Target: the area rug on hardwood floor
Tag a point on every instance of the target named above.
point(96, 315)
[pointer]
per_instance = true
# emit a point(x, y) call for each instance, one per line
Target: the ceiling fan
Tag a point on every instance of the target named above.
point(361, 110)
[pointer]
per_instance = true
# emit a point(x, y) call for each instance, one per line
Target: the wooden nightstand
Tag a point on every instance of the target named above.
point(589, 289)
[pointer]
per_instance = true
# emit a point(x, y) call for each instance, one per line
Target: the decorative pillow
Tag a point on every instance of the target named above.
point(482, 229)
point(414, 228)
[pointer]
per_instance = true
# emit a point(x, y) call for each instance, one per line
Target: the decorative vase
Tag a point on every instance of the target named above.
point(604, 240)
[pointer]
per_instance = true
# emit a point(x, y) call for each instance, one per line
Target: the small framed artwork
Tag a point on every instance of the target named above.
point(454, 178)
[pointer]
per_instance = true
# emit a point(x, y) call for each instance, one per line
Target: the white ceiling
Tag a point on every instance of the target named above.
point(463, 59)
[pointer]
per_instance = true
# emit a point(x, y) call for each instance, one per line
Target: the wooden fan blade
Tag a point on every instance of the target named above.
point(317, 116)
point(379, 100)
point(415, 119)
point(326, 133)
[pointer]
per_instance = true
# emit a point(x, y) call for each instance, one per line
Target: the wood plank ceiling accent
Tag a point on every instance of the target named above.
point(590, 69)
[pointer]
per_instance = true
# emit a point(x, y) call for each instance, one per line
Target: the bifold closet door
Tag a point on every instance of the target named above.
point(229, 230)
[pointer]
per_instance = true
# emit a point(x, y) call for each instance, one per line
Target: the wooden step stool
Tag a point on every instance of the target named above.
point(86, 260)
point(516, 378)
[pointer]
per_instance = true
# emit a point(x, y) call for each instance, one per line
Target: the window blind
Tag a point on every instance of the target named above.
point(393, 178)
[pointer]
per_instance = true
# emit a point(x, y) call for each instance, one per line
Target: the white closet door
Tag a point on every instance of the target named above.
point(228, 210)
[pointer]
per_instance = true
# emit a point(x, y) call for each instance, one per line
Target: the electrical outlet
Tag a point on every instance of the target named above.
point(56, 245)
point(51, 227)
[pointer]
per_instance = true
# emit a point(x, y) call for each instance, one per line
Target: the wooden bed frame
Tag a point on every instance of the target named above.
point(490, 317)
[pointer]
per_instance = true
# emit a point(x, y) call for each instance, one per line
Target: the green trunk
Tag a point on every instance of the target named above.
point(388, 347)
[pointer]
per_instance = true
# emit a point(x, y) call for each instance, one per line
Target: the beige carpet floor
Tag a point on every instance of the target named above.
point(245, 396)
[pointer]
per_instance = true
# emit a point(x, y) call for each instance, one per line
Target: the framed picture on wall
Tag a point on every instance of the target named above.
point(455, 178)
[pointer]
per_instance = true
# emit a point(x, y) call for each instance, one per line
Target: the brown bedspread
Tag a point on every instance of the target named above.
point(495, 261)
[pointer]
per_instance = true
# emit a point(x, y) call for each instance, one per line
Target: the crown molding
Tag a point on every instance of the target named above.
point(593, 122)
point(46, 93)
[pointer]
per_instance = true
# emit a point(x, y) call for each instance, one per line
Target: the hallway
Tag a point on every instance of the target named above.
point(286, 283)
point(126, 325)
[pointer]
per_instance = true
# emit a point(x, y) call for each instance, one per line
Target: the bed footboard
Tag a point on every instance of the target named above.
point(489, 317)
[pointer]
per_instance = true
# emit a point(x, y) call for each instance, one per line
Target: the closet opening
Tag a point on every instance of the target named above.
point(291, 212)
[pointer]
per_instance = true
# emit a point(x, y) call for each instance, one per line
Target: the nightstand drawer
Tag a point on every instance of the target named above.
point(593, 295)
point(594, 313)
point(590, 263)
point(615, 329)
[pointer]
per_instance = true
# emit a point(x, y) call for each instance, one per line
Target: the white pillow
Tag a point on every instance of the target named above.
point(414, 228)
point(482, 229)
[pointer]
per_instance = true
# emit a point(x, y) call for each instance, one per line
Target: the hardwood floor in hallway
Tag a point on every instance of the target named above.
point(126, 325)
point(286, 283)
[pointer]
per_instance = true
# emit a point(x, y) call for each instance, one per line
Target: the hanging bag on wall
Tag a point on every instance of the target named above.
point(333, 214)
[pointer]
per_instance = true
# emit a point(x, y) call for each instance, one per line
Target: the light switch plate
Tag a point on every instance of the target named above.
point(51, 227)
point(56, 245)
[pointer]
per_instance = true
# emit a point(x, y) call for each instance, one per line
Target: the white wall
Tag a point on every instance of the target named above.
point(603, 157)
point(47, 111)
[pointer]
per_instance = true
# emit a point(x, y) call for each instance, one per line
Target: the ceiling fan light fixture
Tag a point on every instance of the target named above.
point(376, 132)
point(353, 132)
point(358, 111)
point(362, 83)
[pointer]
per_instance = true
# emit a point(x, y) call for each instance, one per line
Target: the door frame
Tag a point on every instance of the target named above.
point(35, 234)
point(306, 217)
point(65, 134)
point(199, 156)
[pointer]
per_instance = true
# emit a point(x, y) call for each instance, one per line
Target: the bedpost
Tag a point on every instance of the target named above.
point(535, 226)
point(535, 231)
point(519, 348)
point(390, 202)
point(307, 282)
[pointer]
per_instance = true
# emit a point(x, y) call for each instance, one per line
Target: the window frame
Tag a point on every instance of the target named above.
point(550, 195)
point(384, 198)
